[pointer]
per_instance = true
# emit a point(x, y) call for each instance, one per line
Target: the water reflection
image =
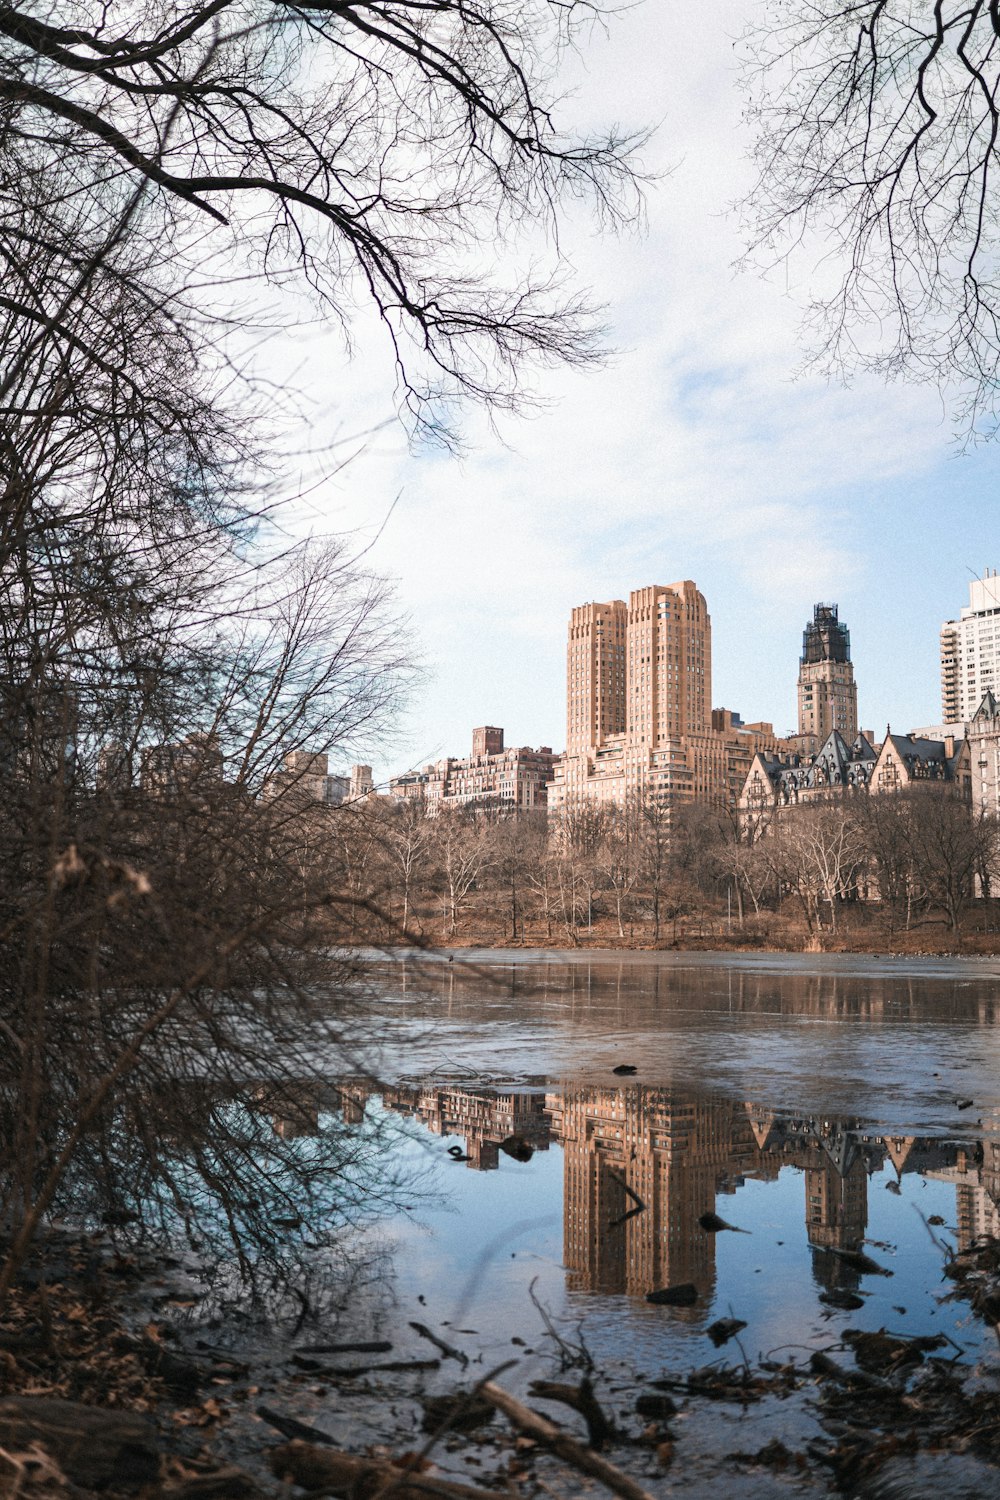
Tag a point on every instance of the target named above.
point(830, 986)
point(641, 1166)
point(896, 1043)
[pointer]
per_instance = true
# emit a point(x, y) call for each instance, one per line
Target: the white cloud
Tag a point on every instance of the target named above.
point(693, 454)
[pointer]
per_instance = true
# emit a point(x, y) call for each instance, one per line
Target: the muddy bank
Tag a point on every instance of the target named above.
point(122, 1375)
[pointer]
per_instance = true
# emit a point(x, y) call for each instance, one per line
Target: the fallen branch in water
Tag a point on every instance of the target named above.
point(447, 1350)
point(582, 1399)
point(584, 1460)
point(337, 1473)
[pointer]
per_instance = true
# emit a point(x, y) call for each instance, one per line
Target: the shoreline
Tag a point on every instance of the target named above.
point(606, 944)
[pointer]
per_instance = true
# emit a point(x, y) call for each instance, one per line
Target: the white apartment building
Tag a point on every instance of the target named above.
point(970, 651)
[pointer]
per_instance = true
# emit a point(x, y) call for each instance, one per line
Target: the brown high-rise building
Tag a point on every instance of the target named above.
point(595, 674)
point(639, 716)
point(669, 663)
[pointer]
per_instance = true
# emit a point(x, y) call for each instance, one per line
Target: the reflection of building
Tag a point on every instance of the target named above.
point(516, 779)
point(836, 1204)
point(639, 720)
point(975, 1172)
point(641, 1166)
point(484, 1119)
point(835, 1157)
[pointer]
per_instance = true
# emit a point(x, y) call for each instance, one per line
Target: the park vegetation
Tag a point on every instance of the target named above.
point(916, 868)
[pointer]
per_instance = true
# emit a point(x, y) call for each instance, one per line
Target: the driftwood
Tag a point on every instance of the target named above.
point(337, 1473)
point(352, 1372)
point(584, 1460)
point(90, 1445)
point(226, 1483)
point(447, 1350)
point(291, 1427)
point(361, 1346)
point(582, 1399)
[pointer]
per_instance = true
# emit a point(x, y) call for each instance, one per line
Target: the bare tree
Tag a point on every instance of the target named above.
point(619, 858)
point(463, 848)
point(817, 853)
point(877, 124)
point(407, 844)
point(347, 150)
point(949, 842)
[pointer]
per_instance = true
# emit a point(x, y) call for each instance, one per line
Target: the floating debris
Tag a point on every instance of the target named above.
point(684, 1294)
point(712, 1224)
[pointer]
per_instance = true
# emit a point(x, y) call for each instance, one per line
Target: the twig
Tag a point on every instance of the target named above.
point(640, 1206)
point(580, 1398)
point(584, 1460)
point(447, 1350)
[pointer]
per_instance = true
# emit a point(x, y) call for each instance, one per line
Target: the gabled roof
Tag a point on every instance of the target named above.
point(988, 709)
point(924, 758)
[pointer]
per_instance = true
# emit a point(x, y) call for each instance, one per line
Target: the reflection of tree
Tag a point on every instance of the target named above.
point(619, 993)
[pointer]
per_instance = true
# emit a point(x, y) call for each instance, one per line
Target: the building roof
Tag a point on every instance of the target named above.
point(836, 764)
point(988, 709)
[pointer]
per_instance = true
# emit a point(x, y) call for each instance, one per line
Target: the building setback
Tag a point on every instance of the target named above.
point(639, 721)
point(970, 651)
point(515, 779)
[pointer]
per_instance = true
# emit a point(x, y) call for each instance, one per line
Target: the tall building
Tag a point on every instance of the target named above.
point(970, 651)
point(828, 695)
point(639, 716)
point(595, 674)
point(669, 656)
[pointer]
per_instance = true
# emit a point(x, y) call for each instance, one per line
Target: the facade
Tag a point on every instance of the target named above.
point(790, 780)
point(906, 761)
point(306, 774)
point(827, 693)
point(595, 675)
point(970, 651)
point(181, 766)
point(984, 755)
point(516, 780)
point(778, 781)
point(639, 721)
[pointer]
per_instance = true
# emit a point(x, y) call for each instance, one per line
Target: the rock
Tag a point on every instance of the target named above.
point(837, 1297)
point(723, 1329)
point(655, 1408)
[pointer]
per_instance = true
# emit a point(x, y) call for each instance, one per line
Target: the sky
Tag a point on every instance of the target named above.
point(698, 451)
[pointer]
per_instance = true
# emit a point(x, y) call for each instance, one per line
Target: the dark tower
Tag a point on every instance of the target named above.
point(828, 695)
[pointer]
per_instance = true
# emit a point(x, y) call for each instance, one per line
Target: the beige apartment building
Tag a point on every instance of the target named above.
point(305, 775)
point(492, 776)
point(639, 720)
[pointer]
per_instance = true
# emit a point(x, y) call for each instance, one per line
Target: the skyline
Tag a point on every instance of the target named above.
point(697, 452)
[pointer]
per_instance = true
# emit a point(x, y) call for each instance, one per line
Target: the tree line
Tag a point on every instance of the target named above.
point(645, 871)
